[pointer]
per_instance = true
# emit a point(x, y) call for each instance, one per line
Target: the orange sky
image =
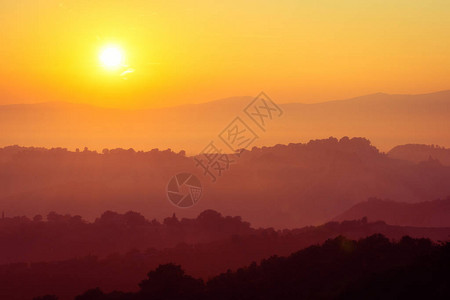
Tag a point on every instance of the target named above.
point(184, 52)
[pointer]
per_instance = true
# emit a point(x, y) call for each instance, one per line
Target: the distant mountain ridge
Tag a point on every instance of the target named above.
point(387, 120)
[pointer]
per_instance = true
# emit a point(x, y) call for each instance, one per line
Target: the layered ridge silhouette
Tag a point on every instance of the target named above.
point(59, 237)
point(370, 268)
point(66, 255)
point(281, 186)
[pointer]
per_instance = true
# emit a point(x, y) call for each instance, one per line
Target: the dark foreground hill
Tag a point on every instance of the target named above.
point(423, 214)
point(116, 251)
point(371, 268)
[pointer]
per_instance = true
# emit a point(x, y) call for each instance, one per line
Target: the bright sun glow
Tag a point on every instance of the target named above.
point(111, 57)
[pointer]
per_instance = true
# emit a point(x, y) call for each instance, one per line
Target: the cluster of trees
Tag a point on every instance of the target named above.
point(370, 268)
point(17, 151)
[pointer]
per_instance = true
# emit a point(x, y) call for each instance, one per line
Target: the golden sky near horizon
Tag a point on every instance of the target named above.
point(178, 52)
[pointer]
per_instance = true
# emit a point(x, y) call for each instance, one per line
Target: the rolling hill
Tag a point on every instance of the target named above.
point(424, 214)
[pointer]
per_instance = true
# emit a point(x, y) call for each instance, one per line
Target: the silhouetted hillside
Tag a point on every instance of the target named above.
point(134, 245)
point(418, 153)
point(64, 236)
point(281, 186)
point(371, 268)
point(423, 214)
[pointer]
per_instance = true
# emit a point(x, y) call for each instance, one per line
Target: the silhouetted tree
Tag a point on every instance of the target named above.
point(169, 282)
point(94, 294)
point(46, 297)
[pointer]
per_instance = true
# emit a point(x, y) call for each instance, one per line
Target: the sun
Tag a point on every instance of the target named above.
point(111, 57)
